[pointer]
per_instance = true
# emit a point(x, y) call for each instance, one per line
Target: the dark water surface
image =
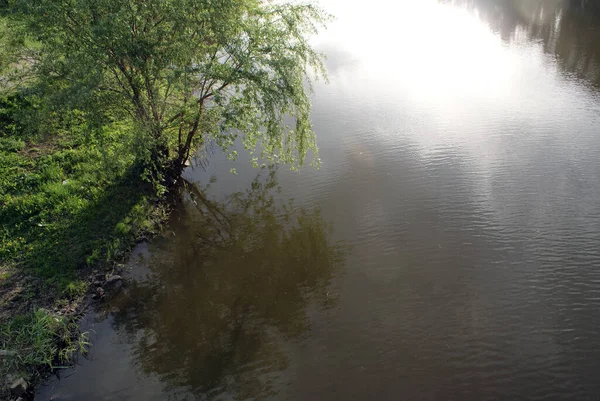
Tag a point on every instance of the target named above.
point(447, 249)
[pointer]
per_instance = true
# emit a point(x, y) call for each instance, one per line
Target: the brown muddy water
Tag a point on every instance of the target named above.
point(447, 249)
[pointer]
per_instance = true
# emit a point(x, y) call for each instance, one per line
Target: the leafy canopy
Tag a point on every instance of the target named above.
point(185, 71)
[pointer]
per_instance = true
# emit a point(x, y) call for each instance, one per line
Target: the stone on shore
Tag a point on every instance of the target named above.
point(114, 282)
point(19, 387)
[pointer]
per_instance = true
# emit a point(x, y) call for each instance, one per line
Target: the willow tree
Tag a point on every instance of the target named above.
point(185, 71)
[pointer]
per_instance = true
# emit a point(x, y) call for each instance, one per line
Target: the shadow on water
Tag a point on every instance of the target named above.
point(565, 28)
point(227, 289)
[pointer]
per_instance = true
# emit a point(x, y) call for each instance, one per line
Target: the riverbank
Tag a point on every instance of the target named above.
point(93, 127)
point(71, 206)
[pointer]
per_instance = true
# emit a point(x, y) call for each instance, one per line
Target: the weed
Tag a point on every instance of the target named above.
point(75, 289)
point(40, 340)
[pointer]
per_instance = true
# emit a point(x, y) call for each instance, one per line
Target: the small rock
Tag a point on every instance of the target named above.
point(98, 283)
point(114, 282)
point(19, 387)
point(118, 269)
point(20, 399)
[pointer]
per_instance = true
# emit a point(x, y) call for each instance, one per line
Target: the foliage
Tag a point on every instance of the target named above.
point(185, 71)
point(39, 340)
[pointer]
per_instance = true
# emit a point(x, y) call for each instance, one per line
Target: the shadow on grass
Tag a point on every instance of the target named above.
point(102, 231)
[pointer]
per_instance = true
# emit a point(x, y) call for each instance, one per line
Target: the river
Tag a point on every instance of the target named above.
point(448, 248)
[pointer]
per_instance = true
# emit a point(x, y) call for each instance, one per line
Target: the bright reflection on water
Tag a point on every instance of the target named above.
point(453, 58)
point(447, 249)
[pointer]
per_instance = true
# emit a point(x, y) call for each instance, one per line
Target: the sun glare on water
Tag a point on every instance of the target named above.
point(432, 51)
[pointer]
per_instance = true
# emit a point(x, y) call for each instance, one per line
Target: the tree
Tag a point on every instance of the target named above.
point(184, 71)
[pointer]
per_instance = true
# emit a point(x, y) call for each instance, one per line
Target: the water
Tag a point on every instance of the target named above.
point(447, 249)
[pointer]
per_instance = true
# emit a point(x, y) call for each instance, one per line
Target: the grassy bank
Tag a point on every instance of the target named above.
point(71, 202)
point(184, 74)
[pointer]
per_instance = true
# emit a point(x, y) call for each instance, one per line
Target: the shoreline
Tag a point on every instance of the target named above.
point(103, 280)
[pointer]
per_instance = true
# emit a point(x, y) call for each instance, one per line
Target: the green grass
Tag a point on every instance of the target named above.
point(37, 343)
point(40, 340)
point(68, 199)
point(71, 198)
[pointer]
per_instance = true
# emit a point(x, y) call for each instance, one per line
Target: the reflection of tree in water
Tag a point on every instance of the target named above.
point(570, 29)
point(225, 292)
